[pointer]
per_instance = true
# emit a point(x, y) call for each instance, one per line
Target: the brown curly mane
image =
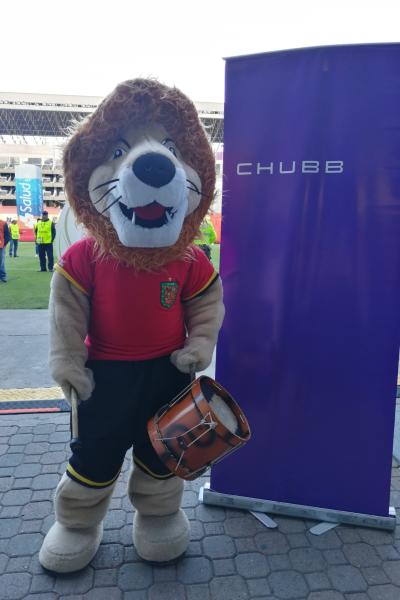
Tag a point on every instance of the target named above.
point(137, 101)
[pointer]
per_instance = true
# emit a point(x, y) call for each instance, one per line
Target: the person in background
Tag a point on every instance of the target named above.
point(207, 237)
point(45, 234)
point(35, 231)
point(14, 229)
point(4, 239)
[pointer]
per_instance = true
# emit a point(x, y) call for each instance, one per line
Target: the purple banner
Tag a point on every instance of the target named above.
point(311, 271)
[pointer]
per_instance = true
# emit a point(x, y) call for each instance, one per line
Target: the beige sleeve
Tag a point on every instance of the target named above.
point(69, 314)
point(203, 317)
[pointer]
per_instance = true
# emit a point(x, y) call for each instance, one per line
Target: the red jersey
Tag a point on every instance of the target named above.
point(135, 315)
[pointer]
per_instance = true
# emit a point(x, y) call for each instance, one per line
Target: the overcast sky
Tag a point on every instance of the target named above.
point(88, 46)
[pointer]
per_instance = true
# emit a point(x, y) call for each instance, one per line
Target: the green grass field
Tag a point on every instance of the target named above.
point(26, 288)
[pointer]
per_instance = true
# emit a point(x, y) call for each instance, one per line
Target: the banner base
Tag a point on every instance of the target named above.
point(208, 496)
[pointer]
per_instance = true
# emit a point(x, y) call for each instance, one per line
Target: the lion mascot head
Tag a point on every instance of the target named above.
point(140, 175)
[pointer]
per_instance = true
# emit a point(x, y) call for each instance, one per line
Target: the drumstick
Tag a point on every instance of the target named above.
point(75, 443)
point(74, 413)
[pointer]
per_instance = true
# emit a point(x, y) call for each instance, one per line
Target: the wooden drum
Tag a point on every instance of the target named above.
point(198, 428)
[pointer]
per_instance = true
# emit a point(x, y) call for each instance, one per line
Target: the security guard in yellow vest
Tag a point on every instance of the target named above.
point(45, 234)
point(14, 229)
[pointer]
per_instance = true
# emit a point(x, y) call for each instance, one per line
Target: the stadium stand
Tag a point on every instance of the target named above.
point(33, 128)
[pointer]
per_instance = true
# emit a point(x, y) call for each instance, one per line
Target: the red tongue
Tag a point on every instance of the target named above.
point(150, 212)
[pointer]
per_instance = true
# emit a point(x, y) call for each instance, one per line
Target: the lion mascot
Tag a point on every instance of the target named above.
point(134, 308)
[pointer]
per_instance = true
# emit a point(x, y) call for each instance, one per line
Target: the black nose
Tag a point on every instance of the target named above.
point(154, 169)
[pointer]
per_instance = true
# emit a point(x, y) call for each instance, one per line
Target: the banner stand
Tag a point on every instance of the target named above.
point(207, 496)
point(310, 251)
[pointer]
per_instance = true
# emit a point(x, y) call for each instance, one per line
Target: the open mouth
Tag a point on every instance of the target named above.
point(150, 216)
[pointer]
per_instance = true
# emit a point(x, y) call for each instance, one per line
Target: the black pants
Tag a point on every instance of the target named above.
point(43, 250)
point(115, 418)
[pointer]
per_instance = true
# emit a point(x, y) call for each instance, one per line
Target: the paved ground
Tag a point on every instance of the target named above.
point(23, 340)
point(231, 556)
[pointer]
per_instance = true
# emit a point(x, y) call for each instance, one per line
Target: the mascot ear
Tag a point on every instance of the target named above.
point(68, 231)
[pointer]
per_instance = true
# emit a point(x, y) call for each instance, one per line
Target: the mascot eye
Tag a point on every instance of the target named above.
point(170, 145)
point(117, 153)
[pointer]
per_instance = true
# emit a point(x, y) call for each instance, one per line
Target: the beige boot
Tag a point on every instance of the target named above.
point(75, 537)
point(161, 530)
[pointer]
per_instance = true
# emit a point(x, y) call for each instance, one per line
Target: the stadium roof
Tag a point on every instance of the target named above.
point(50, 115)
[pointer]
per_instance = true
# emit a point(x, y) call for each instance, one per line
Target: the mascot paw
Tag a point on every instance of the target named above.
point(82, 383)
point(65, 550)
point(161, 539)
point(192, 360)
